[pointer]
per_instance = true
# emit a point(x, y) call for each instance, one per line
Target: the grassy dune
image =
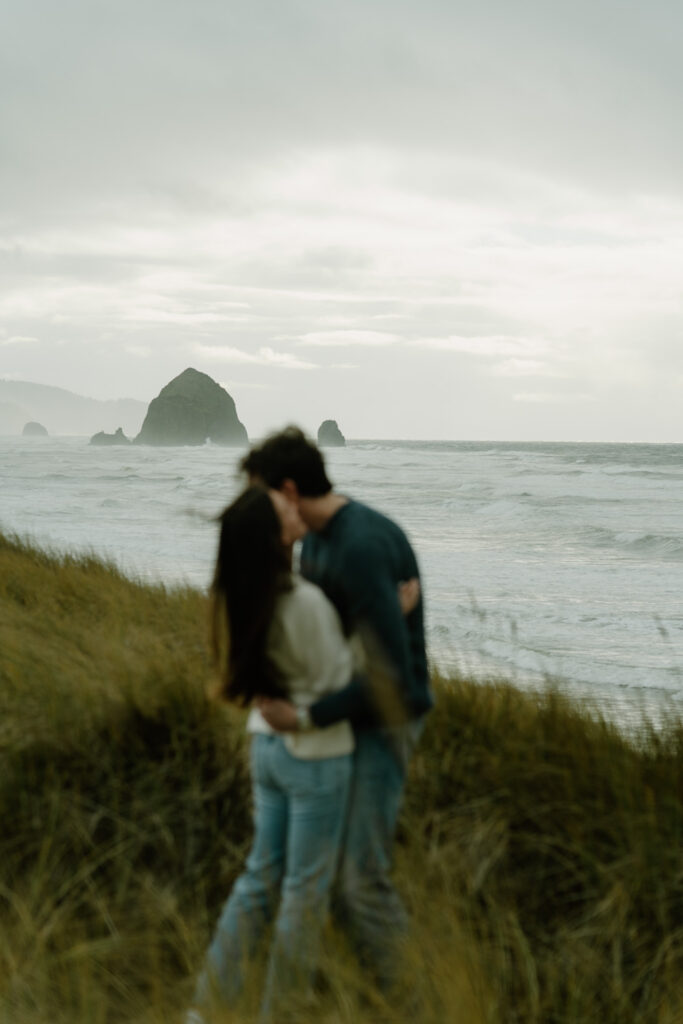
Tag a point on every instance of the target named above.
point(540, 850)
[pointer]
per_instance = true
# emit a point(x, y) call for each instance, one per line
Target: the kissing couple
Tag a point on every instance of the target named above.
point(332, 663)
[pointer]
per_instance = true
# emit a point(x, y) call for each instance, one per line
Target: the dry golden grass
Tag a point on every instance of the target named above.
point(540, 849)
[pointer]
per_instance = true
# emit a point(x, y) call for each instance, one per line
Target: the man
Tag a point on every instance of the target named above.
point(359, 557)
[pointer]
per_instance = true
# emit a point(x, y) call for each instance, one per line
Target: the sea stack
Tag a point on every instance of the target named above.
point(33, 429)
point(330, 436)
point(118, 438)
point(190, 410)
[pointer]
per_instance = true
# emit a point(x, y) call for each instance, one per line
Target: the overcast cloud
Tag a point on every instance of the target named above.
point(430, 219)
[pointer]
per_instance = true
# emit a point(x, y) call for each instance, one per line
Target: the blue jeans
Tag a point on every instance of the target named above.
point(299, 813)
point(367, 904)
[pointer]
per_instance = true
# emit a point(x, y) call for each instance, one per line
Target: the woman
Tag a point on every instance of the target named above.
point(285, 639)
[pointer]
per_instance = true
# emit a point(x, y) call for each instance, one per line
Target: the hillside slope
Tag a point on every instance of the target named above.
point(539, 849)
point(63, 412)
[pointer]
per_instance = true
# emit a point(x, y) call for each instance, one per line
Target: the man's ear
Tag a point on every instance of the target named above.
point(290, 490)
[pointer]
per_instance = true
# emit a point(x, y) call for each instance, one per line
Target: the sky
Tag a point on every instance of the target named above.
point(425, 219)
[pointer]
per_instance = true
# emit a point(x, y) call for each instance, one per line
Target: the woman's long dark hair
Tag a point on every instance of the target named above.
point(253, 569)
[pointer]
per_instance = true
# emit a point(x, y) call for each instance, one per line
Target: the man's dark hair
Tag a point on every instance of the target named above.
point(288, 455)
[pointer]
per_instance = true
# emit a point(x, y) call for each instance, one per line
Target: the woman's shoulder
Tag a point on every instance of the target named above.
point(305, 593)
point(305, 600)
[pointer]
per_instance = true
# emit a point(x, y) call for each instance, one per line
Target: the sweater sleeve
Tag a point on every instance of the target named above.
point(352, 702)
point(308, 645)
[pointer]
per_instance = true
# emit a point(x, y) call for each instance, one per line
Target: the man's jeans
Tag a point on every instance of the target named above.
point(299, 813)
point(367, 903)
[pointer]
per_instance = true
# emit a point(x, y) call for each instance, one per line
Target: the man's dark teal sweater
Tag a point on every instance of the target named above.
point(358, 559)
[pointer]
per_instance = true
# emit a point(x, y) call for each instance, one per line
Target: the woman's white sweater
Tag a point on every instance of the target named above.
point(307, 644)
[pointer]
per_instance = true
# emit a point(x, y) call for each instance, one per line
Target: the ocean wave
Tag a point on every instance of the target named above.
point(118, 477)
point(647, 545)
point(649, 474)
point(657, 544)
point(197, 515)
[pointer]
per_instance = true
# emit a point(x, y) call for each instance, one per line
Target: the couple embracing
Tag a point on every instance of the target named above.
point(332, 663)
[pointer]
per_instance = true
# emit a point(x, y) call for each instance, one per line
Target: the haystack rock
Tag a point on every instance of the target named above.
point(117, 438)
point(32, 429)
point(330, 436)
point(192, 409)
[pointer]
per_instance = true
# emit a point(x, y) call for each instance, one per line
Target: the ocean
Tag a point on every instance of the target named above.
point(555, 564)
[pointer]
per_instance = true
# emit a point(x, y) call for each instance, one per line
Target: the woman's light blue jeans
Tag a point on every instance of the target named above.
point(299, 814)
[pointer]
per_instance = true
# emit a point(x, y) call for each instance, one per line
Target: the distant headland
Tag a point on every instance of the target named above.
point(63, 412)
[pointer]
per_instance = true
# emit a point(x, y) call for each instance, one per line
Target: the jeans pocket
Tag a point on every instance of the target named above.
point(258, 757)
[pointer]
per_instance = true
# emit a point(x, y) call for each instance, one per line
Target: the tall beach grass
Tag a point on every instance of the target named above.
point(540, 848)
